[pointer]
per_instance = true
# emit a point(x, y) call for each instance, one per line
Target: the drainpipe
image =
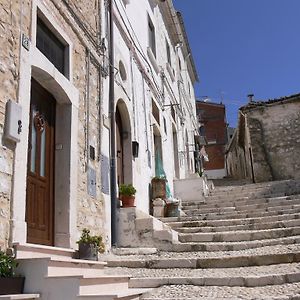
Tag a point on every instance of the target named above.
point(113, 189)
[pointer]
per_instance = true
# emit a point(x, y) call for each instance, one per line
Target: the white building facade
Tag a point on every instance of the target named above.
point(55, 170)
point(154, 92)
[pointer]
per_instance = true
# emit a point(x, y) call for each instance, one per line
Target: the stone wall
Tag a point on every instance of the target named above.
point(10, 27)
point(272, 132)
point(261, 157)
point(275, 141)
point(237, 161)
point(16, 18)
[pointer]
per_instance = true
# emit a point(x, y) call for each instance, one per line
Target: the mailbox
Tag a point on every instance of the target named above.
point(13, 121)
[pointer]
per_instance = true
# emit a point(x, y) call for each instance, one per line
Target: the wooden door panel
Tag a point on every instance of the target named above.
point(40, 174)
point(30, 208)
point(41, 208)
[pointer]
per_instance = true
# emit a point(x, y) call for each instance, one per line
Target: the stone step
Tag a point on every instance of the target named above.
point(133, 251)
point(103, 284)
point(257, 187)
point(75, 267)
point(98, 289)
point(242, 200)
point(239, 215)
point(190, 210)
point(289, 291)
point(244, 203)
point(255, 192)
point(249, 281)
point(243, 196)
point(65, 267)
point(131, 294)
point(270, 185)
point(271, 255)
point(194, 221)
point(20, 297)
point(238, 236)
point(33, 250)
point(232, 246)
point(246, 276)
point(72, 278)
point(254, 226)
point(288, 204)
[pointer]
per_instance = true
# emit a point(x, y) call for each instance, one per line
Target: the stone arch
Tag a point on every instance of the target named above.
point(123, 143)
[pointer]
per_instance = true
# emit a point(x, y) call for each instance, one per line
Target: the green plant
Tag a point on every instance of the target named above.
point(95, 240)
point(8, 265)
point(127, 190)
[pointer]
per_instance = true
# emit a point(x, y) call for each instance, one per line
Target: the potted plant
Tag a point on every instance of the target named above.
point(158, 185)
point(90, 245)
point(9, 282)
point(127, 195)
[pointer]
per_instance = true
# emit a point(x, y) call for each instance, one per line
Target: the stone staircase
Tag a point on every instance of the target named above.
point(241, 242)
point(52, 274)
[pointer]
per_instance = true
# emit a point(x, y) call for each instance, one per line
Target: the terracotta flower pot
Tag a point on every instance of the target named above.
point(159, 188)
point(127, 201)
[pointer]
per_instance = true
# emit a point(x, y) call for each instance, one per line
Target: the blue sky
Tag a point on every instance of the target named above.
point(242, 47)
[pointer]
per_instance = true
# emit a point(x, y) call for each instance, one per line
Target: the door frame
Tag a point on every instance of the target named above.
point(66, 161)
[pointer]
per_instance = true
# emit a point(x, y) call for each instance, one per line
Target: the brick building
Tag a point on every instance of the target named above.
point(212, 119)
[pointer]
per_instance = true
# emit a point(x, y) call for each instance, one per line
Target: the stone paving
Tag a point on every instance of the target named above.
point(254, 255)
point(277, 249)
point(183, 292)
point(292, 268)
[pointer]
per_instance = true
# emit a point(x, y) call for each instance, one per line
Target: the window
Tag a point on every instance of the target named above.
point(168, 52)
point(50, 46)
point(179, 61)
point(122, 71)
point(151, 34)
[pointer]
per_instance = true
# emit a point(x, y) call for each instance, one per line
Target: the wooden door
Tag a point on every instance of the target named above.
point(120, 151)
point(40, 169)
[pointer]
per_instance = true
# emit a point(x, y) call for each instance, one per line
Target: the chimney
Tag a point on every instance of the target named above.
point(250, 97)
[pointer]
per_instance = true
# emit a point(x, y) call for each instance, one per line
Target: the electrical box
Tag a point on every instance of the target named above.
point(13, 121)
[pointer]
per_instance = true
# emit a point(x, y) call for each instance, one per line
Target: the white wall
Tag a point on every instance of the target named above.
point(144, 83)
point(216, 174)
